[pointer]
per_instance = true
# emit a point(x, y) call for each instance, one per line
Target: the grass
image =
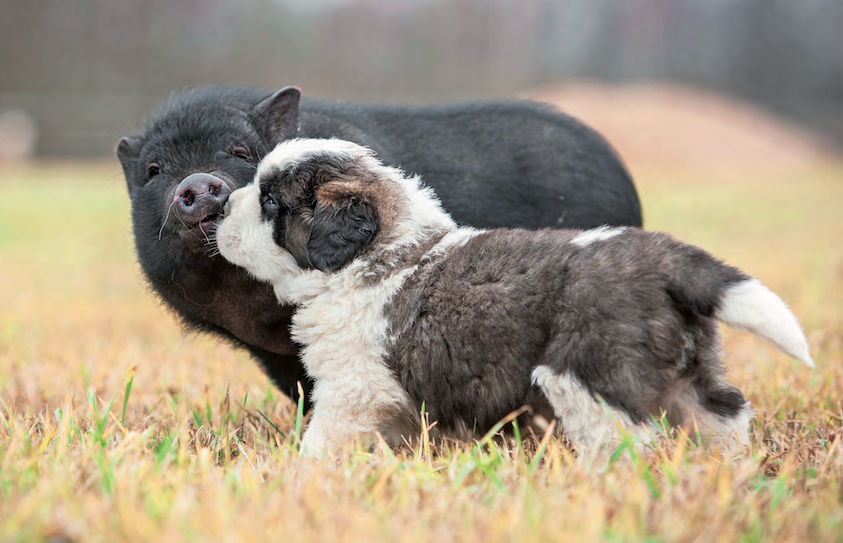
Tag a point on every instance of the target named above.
point(114, 426)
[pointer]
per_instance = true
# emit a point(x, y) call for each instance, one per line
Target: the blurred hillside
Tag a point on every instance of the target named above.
point(82, 73)
point(672, 127)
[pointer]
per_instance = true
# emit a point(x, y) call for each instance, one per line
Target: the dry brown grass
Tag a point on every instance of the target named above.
point(206, 449)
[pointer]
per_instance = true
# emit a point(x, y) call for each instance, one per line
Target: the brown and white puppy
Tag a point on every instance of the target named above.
point(397, 305)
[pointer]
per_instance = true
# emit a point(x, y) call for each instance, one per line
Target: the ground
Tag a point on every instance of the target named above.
point(116, 426)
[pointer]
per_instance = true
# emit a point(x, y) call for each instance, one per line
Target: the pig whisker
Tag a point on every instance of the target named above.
point(161, 230)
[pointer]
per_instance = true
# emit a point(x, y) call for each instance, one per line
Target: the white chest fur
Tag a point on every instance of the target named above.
point(344, 334)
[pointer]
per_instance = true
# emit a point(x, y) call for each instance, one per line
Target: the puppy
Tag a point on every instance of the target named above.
point(398, 306)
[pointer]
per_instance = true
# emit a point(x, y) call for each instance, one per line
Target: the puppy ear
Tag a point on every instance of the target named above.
point(278, 115)
point(341, 228)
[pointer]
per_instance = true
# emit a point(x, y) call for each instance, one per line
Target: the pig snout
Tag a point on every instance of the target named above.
point(199, 197)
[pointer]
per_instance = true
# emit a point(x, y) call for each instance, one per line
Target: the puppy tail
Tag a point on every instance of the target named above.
point(750, 306)
point(702, 285)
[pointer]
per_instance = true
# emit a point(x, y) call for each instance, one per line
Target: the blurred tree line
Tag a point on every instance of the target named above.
point(87, 71)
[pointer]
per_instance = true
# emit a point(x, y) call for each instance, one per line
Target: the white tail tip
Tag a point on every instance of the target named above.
point(752, 307)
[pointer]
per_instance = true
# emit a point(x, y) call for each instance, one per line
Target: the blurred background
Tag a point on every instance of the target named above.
point(664, 80)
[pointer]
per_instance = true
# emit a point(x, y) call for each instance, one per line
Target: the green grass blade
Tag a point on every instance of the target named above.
point(126, 395)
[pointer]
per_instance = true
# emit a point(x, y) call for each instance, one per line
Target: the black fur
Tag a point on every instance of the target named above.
point(492, 164)
point(473, 325)
point(338, 233)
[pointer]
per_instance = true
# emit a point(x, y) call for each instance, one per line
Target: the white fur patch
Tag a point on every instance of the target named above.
point(291, 152)
point(752, 307)
point(424, 212)
point(246, 240)
point(344, 332)
point(597, 234)
point(724, 432)
point(585, 420)
point(455, 238)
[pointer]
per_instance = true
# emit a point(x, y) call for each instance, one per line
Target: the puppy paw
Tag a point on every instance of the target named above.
point(316, 445)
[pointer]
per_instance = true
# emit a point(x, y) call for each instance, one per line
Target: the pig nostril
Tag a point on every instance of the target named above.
point(214, 190)
point(187, 198)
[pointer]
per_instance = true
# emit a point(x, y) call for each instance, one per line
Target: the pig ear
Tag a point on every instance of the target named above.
point(127, 151)
point(278, 115)
point(341, 228)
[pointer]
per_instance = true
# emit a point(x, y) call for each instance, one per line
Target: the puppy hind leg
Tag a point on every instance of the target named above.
point(719, 417)
point(708, 405)
point(585, 420)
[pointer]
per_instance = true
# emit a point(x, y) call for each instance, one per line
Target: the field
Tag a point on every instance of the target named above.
point(116, 426)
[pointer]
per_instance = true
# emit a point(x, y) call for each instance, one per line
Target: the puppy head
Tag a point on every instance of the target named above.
point(246, 237)
point(315, 204)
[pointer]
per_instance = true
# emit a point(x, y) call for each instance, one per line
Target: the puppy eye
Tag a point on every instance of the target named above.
point(240, 151)
point(269, 206)
point(153, 169)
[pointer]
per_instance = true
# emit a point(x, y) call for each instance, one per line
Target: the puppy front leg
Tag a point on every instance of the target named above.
point(323, 437)
point(336, 424)
point(356, 398)
point(338, 417)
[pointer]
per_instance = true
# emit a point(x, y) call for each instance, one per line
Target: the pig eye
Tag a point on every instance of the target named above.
point(240, 151)
point(153, 169)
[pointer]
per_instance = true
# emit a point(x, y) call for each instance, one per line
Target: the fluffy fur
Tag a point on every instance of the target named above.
point(497, 163)
point(398, 306)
